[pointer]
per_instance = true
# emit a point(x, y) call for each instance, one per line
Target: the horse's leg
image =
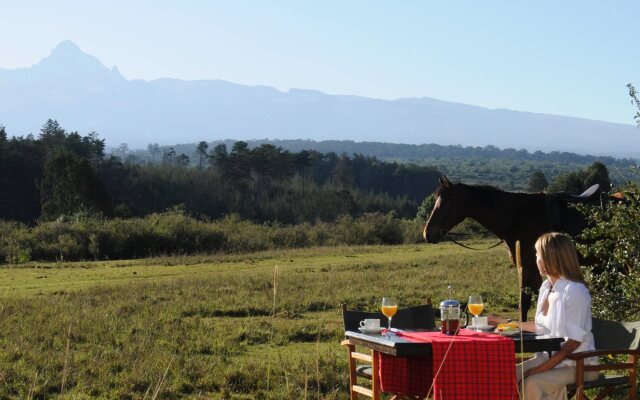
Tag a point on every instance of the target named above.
point(521, 265)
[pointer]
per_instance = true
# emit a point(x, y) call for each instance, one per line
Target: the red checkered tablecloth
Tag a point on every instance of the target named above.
point(469, 366)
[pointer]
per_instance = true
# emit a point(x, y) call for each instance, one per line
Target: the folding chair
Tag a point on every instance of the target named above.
point(363, 365)
point(612, 339)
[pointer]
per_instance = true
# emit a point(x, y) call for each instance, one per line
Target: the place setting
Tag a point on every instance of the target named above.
point(478, 323)
point(389, 308)
point(370, 325)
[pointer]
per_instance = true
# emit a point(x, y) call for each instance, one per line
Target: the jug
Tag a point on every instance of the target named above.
point(451, 318)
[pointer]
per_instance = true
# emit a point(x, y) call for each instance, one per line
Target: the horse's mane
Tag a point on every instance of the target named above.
point(482, 189)
point(483, 194)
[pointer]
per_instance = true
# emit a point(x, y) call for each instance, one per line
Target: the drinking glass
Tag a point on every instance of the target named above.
point(389, 308)
point(475, 306)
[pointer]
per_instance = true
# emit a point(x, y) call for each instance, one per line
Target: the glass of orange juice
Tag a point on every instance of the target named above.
point(475, 307)
point(389, 308)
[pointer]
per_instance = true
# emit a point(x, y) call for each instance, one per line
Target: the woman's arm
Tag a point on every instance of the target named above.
point(567, 348)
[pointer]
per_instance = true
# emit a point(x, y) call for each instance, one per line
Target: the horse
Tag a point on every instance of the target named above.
point(512, 217)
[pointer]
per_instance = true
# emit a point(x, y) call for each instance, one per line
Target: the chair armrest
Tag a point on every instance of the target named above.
point(598, 353)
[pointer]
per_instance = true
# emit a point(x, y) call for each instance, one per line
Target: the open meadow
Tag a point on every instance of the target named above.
point(245, 326)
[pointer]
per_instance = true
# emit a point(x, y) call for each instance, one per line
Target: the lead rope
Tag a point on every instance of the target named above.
point(471, 248)
point(446, 235)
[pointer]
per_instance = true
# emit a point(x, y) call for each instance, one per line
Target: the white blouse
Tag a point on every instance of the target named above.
point(568, 316)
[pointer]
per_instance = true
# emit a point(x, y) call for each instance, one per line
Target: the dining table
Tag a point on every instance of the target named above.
point(471, 365)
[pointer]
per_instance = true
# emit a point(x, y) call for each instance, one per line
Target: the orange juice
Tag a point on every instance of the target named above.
point(475, 309)
point(389, 311)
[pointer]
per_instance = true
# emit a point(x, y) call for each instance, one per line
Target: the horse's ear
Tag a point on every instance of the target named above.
point(444, 181)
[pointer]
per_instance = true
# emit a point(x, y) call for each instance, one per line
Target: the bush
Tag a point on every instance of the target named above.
point(374, 228)
point(614, 240)
point(14, 247)
point(412, 231)
point(84, 237)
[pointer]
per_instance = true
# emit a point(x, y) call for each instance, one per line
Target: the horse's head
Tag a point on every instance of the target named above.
point(447, 211)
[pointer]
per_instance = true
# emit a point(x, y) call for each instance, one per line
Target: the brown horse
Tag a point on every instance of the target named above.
point(511, 217)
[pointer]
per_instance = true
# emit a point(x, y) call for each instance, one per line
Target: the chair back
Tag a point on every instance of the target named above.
point(352, 318)
point(417, 317)
point(615, 335)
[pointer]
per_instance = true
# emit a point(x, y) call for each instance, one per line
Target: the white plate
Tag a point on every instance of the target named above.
point(364, 330)
point(511, 332)
point(485, 328)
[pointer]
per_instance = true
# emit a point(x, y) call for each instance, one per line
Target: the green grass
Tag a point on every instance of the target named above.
point(208, 321)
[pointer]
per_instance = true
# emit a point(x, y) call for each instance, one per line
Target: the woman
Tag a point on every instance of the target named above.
point(564, 310)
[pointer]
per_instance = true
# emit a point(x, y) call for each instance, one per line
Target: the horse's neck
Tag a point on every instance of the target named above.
point(502, 210)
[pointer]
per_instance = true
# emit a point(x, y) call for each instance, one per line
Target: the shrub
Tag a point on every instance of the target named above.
point(614, 240)
point(14, 247)
point(83, 237)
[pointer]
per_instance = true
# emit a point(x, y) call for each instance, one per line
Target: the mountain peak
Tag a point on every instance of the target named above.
point(67, 59)
point(66, 48)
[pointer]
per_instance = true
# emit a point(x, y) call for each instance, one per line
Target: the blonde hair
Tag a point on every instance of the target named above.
point(559, 256)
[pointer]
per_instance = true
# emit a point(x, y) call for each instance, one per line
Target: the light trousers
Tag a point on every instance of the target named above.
point(550, 385)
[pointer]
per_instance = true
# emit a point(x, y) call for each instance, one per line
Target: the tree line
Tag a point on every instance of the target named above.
point(61, 173)
point(405, 152)
point(508, 169)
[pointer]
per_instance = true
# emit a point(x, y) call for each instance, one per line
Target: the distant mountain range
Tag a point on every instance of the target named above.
point(83, 95)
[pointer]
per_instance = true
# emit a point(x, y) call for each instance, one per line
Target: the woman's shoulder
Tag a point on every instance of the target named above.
point(576, 287)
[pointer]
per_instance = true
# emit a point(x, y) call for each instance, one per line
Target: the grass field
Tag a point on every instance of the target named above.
point(252, 326)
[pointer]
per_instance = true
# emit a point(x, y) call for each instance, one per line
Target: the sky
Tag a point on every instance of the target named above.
point(556, 57)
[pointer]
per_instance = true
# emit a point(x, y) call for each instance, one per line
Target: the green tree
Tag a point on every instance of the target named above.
point(3, 135)
point(240, 167)
point(302, 162)
point(154, 150)
point(271, 165)
point(597, 173)
point(425, 208)
point(219, 158)
point(201, 151)
point(52, 136)
point(123, 149)
point(69, 184)
point(579, 181)
point(570, 183)
point(182, 160)
point(169, 156)
point(343, 172)
point(538, 182)
point(94, 148)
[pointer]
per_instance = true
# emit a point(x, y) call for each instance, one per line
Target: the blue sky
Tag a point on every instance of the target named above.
point(557, 57)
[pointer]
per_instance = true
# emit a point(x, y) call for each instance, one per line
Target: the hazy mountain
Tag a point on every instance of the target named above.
point(82, 94)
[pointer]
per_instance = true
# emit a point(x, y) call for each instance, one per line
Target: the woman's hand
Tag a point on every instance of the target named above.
point(567, 348)
point(538, 370)
point(494, 320)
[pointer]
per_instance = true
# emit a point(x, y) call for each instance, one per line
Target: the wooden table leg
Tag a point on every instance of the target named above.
point(375, 372)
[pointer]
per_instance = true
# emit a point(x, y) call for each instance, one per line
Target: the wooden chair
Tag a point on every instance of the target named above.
point(612, 339)
point(362, 365)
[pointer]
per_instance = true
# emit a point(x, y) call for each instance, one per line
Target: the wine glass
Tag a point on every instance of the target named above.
point(389, 308)
point(475, 307)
